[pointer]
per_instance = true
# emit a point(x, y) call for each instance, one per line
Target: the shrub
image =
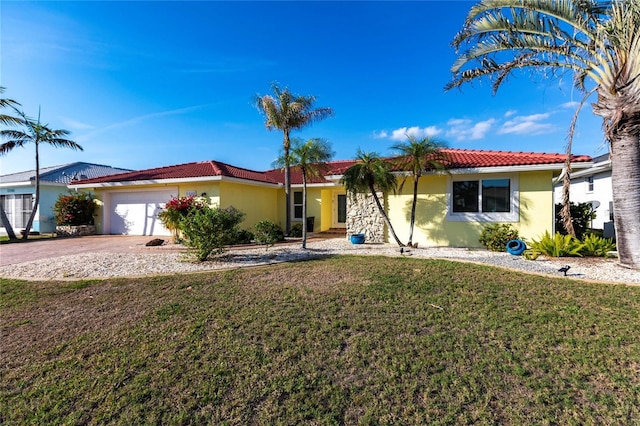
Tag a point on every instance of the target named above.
point(207, 230)
point(243, 236)
point(296, 231)
point(74, 209)
point(176, 210)
point(557, 246)
point(595, 245)
point(268, 233)
point(495, 237)
point(581, 216)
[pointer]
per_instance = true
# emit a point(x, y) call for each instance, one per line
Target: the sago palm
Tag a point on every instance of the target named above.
point(598, 43)
point(33, 131)
point(417, 156)
point(286, 112)
point(371, 174)
point(311, 158)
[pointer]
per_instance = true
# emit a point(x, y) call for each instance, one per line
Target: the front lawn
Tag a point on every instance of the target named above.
point(345, 340)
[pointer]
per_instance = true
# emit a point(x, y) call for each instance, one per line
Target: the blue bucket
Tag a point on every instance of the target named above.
point(357, 239)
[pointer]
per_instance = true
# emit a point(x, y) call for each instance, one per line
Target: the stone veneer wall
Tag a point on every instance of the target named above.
point(363, 217)
point(75, 231)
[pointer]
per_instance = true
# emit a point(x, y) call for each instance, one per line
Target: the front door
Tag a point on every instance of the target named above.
point(340, 211)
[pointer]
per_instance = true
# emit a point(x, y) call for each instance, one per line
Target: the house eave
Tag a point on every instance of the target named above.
point(31, 183)
point(173, 181)
point(487, 170)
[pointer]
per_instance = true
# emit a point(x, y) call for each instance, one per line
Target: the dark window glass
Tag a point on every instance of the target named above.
point(342, 208)
point(297, 204)
point(465, 196)
point(496, 195)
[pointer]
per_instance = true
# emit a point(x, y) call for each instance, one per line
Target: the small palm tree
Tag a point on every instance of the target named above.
point(286, 111)
point(7, 119)
point(311, 158)
point(417, 156)
point(599, 43)
point(371, 174)
point(36, 133)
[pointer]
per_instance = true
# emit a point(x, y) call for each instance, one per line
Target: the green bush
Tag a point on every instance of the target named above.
point(176, 210)
point(268, 233)
point(581, 216)
point(74, 209)
point(557, 246)
point(243, 236)
point(595, 245)
point(207, 230)
point(495, 237)
point(296, 231)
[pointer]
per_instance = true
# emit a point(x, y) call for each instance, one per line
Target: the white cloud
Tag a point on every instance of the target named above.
point(382, 134)
point(527, 124)
point(73, 124)
point(510, 113)
point(465, 129)
point(570, 105)
point(137, 120)
point(415, 131)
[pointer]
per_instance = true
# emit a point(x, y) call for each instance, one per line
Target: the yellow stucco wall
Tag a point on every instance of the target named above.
point(326, 209)
point(314, 205)
point(433, 229)
point(257, 202)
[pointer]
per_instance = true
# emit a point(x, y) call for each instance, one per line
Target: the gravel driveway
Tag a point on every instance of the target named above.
point(122, 256)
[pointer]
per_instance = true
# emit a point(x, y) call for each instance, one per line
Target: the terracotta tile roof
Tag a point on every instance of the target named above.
point(455, 159)
point(466, 158)
point(187, 170)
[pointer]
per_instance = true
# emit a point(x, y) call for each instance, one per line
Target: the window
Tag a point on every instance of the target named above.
point(589, 181)
point(17, 208)
point(297, 205)
point(488, 200)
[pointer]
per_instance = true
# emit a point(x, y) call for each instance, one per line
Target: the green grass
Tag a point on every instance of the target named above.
point(4, 239)
point(346, 340)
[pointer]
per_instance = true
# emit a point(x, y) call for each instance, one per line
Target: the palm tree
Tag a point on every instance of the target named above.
point(36, 133)
point(371, 174)
point(7, 120)
point(286, 111)
point(311, 158)
point(597, 41)
point(417, 156)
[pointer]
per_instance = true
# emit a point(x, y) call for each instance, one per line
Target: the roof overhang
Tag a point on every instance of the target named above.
point(489, 170)
point(30, 183)
point(173, 181)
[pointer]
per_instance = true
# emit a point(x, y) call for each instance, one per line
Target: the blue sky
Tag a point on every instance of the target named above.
point(148, 84)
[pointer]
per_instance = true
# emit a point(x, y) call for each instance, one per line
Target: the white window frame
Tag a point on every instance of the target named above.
point(512, 216)
point(590, 184)
point(294, 205)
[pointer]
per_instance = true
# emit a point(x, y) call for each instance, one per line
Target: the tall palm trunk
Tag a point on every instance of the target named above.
point(625, 174)
point(287, 182)
point(384, 215)
point(304, 209)
point(34, 209)
point(565, 213)
point(5, 223)
point(413, 210)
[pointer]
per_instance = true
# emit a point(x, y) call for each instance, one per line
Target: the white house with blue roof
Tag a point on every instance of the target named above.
point(17, 192)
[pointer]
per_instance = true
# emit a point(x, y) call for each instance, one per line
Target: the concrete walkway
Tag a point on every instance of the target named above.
point(50, 248)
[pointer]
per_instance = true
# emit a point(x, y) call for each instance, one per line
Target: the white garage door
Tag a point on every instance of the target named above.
point(136, 213)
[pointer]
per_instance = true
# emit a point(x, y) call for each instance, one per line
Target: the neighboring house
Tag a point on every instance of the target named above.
point(592, 185)
point(17, 192)
point(480, 187)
